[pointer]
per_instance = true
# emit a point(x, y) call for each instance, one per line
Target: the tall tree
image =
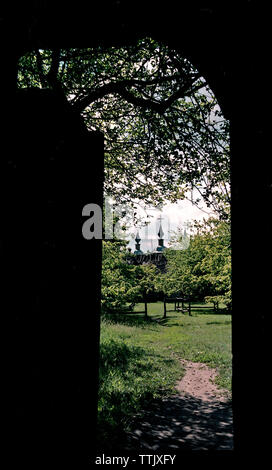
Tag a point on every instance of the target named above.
point(164, 132)
point(123, 282)
point(119, 284)
point(203, 270)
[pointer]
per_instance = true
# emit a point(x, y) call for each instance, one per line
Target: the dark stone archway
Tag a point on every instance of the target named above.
point(229, 45)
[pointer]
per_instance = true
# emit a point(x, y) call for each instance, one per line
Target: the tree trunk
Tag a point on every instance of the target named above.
point(145, 302)
point(164, 311)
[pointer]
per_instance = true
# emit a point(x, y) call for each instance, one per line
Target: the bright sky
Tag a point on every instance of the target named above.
point(173, 216)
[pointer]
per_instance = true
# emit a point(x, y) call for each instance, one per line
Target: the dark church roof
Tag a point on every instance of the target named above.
point(156, 257)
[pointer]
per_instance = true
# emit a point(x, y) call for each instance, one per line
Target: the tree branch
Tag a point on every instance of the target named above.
point(121, 88)
point(39, 63)
point(52, 76)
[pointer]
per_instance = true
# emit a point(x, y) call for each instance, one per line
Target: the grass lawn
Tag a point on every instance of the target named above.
point(139, 359)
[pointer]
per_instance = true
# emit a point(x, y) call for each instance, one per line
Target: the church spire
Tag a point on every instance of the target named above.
point(161, 246)
point(160, 232)
point(138, 250)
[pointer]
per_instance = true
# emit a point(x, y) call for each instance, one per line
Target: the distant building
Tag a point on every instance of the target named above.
point(156, 257)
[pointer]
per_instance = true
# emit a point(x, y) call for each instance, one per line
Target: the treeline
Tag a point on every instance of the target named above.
point(202, 271)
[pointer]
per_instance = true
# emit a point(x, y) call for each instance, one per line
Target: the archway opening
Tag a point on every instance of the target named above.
point(173, 139)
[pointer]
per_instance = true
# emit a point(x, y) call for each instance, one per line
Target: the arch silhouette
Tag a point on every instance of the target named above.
point(220, 39)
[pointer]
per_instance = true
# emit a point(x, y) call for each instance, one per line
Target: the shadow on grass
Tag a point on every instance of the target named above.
point(117, 355)
point(210, 311)
point(126, 386)
point(137, 319)
point(165, 322)
point(182, 424)
point(141, 321)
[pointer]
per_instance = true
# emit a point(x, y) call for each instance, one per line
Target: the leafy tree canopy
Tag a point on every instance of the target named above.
point(204, 268)
point(123, 283)
point(164, 132)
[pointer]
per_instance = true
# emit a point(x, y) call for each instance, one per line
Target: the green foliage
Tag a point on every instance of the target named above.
point(123, 283)
point(147, 274)
point(204, 268)
point(164, 131)
point(118, 282)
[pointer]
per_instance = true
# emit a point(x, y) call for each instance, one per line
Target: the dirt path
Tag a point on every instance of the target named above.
point(198, 382)
point(199, 417)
